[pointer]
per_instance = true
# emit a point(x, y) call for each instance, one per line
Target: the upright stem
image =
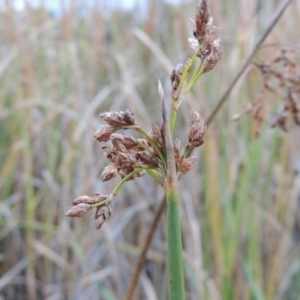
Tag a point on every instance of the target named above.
point(175, 261)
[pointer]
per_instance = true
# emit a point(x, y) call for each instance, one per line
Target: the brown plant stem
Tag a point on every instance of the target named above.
point(247, 62)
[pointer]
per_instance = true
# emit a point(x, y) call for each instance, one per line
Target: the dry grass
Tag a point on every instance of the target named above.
point(241, 201)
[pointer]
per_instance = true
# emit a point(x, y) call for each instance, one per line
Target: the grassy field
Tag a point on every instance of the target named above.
point(240, 202)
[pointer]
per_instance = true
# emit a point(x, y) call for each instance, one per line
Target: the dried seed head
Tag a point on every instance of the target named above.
point(103, 214)
point(201, 20)
point(108, 173)
point(78, 210)
point(103, 133)
point(157, 133)
point(175, 77)
point(205, 34)
point(197, 130)
point(186, 164)
point(212, 59)
point(124, 162)
point(89, 200)
point(119, 119)
point(120, 141)
point(117, 140)
point(147, 159)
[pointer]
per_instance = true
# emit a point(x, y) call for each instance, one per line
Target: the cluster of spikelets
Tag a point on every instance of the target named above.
point(205, 38)
point(131, 157)
point(281, 79)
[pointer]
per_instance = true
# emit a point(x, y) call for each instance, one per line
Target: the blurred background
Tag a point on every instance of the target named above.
point(64, 62)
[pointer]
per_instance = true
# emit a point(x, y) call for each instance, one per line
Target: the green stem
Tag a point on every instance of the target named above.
point(175, 261)
point(187, 69)
point(119, 185)
point(194, 78)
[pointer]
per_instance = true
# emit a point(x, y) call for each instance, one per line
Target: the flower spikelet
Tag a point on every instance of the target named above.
point(103, 214)
point(186, 164)
point(104, 132)
point(89, 200)
point(197, 130)
point(205, 36)
point(78, 210)
point(157, 133)
point(119, 119)
point(147, 159)
point(108, 173)
point(201, 21)
point(122, 142)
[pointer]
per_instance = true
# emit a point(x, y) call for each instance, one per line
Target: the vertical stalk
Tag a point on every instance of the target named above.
point(175, 261)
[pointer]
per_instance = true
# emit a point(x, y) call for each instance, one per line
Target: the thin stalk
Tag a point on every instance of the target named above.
point(175, 260)
point(195, 77)
point(118, 186)
point(187, 69)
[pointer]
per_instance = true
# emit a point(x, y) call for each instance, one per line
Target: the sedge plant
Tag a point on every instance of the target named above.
point(157, 152)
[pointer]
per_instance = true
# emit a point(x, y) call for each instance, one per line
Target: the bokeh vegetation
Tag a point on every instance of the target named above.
point(241, 202)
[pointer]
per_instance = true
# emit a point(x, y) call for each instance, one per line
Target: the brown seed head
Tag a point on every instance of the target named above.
point(78, 210)
point(103, 133)
point(103, 214)
point(124, 162)
point(197, 130)
point(119, 119)
point(206, 36)
point(117, 140)
point(175, 77)
point(157, 133)
point(201, 20)
point(126, 141)
point(108, 173)
point(186, 164)
point(212, 59)
point(147, 159)
point(89, 200)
